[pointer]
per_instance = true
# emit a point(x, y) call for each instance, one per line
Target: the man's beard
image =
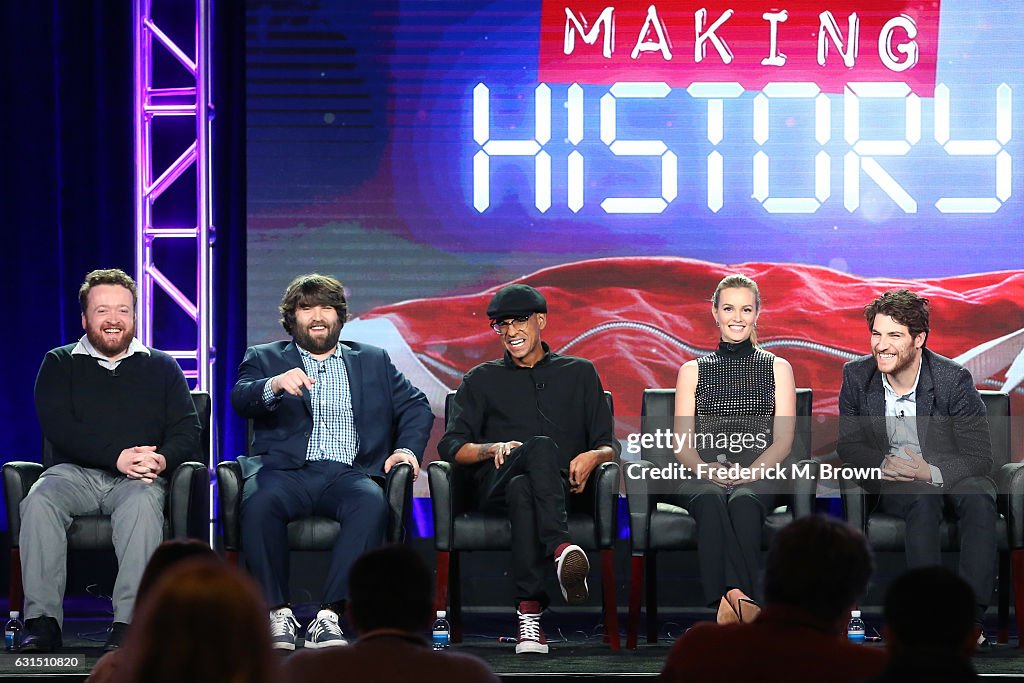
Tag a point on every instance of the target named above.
point(903, 361)
point(304, 339)
point(110, 349)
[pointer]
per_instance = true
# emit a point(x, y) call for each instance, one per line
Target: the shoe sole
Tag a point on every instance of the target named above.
point(531, 646)
point(572, 576)
point(328, 643)
point(283, 646)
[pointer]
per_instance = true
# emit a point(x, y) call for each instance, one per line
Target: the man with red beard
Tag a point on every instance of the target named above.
point(918, 417)
point(530, 429)
point(329, 416)
point(119, 419)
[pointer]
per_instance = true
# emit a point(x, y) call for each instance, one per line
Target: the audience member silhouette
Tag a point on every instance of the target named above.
point(391, 605)
point(817, 569)
point(167, 555)
point(930, 627)
point(203, 621)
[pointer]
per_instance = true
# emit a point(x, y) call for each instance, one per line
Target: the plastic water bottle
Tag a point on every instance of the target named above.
point(442, 631)
point(855, 630)
point(12, 632)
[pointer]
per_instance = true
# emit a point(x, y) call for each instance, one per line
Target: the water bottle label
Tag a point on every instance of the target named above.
point(856, 636)
point(9, 640)
point(440, 639)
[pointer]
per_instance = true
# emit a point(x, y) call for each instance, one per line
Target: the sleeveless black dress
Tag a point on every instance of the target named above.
point(735, 402)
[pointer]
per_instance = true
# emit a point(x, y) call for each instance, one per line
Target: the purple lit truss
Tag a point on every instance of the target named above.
point(164, 238)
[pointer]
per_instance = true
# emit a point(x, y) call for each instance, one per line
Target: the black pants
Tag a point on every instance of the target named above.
point(974, 501)
point(322, 488)
point(728, 533)
point(531, 488)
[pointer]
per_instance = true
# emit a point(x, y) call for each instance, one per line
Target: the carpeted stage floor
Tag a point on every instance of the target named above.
point(577, 650)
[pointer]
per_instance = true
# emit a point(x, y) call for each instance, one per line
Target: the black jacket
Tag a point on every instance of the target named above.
point(951, 423)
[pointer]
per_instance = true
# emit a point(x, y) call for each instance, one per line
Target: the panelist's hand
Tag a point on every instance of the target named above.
point(580, 469)
point(141, 462)
point(499, 451)
point(399, 457)
point(907, 466)
point(292, 382)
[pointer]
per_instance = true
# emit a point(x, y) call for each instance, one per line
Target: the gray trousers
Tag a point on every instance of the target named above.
point(65, 491)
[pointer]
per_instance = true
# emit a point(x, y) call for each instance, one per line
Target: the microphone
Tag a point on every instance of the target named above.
point(539, 386)
point(901, 415)
point(322, 369)
point(113, 372)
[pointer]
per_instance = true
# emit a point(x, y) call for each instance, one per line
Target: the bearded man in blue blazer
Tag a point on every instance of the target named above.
point(918, 418)
point(328, 416)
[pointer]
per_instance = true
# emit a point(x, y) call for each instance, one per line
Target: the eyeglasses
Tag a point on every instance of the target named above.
point(518, 322)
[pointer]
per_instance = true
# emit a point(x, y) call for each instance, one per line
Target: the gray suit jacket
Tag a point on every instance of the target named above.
point(951, 420)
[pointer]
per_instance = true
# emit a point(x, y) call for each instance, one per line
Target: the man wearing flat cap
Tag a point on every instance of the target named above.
point(539, 414)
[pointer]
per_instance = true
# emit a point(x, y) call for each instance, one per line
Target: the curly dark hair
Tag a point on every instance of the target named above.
point(904, 307)
point(106, 276)
point(312, 290)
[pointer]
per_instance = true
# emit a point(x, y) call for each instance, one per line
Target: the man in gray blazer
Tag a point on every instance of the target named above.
point(918, 418)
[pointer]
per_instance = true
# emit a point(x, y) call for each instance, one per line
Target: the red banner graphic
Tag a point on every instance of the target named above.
point(750, 42)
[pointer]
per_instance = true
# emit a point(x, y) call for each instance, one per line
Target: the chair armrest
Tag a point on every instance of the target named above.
point(1010, 497)
point(398, 492)
point(640, 503)
point(439, 476)
point(188, 501)
point(229, 494)
point(805, 489)
point(18, 479)
point(606, 504)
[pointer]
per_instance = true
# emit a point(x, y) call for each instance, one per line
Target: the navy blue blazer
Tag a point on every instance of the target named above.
point(389, 411)
point(951, 423)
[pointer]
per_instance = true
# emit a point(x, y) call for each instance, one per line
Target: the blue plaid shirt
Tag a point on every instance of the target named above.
point(334, 434)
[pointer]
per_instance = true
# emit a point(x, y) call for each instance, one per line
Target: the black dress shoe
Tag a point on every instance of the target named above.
point(42, 634)
point(115, 636)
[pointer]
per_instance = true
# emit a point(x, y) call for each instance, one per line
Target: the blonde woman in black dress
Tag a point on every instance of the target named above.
point(745, 397)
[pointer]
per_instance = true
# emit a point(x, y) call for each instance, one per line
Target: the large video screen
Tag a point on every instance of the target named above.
point(623, 157)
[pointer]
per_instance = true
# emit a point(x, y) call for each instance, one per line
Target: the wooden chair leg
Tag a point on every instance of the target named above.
point(455, 596)
point(16, 597)
point(651, 579)
point(1003, 624)
point(636, 581)
point(1017, 562)
point(441, 591)
point(611, 606)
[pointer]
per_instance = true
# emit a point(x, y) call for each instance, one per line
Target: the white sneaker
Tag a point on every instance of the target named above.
point(283, 628)
point(572, 567)
point(324, 631)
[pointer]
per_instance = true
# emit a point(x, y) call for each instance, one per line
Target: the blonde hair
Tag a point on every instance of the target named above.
point(736, 281)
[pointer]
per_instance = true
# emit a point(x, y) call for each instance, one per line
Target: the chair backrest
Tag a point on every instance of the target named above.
point(997, 408)
point(204, 408)
point(659, 407)
point(451, 394)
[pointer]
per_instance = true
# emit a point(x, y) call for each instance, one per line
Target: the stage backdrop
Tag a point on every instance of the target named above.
point(623, 157)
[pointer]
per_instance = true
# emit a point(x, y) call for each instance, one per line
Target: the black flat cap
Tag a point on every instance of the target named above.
point(516, 300)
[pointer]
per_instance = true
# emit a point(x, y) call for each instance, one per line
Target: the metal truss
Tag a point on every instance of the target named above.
point(175, 240)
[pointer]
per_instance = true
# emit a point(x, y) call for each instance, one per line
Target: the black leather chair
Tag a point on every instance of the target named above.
point(310, 533)
point(887, 533)
point(187, 502)
point(657, 525)
point(459, 527)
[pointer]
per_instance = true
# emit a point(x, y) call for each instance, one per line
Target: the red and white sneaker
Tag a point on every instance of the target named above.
point(572, 567)
point(531, 633)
